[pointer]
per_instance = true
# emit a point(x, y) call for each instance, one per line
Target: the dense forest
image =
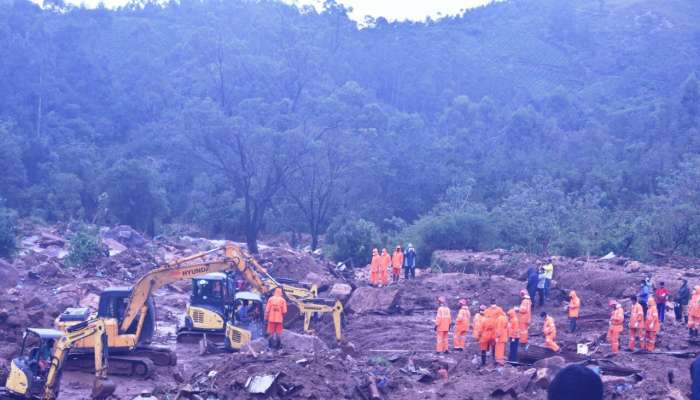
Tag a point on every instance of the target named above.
point(551, 126)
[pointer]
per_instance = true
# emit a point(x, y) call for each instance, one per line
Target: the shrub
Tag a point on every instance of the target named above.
point(8, 232)
point(352, 240)
point(85, 246)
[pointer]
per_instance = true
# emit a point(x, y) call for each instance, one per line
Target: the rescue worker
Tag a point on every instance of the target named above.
point(616, 320)
point(549, 275)
point(384, 267)
point(487, 336)
point(478, 322)
point(694, 313)
point(374, 268)
point(636, 323)
point(275, 309)
point(396, 264)
point(644, 292)
point(409, 263)
point(549, 329)
point(501, 338)
point(573, 308)
point(443, 320)
point(525, 317)
point(651, 326)
point(682, 299)
point(513, 333)
point(661, 297)
point(462, 325)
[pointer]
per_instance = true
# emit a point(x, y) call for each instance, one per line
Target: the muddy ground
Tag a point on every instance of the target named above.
point(388, 332)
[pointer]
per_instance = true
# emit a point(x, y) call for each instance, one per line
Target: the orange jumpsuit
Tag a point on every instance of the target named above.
point(616, 320)
point(651, 325)
point(461, 327)
point(275, 309)
point(443, 319)
point(694, 309)
point(385, 262)
point(374, 268)
point(501, 338)
point(397, 264)
point(478, 322)
point(636, 326)
point(550, 334)
point(525, 318)
point(574, 305)
point(487, 336)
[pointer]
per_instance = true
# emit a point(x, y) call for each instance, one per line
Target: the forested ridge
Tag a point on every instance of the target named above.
point(550, 126)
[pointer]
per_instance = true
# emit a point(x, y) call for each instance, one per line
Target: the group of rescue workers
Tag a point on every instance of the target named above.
point(383, 264)
point(493, 328)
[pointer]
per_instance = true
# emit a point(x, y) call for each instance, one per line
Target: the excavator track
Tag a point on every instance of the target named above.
point(131, 366)
point(161, 356)
point(5, 395)
point(188, 336)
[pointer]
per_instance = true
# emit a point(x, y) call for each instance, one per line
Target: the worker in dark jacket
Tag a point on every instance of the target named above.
point(682, 299)
point(532, 279)
point(695, 379)
point(409, 263)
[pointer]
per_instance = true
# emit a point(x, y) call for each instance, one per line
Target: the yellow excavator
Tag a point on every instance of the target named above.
point(129, 317)
point(36, 375)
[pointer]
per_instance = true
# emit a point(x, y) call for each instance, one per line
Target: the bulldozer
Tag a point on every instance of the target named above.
point(36, 373)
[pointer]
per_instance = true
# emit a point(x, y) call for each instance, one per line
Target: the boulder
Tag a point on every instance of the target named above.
point(302, 343)
point(340, 291)
point(8, 275)
point(114, 246)
point(48, 270)
point(632, 266)
point(369, 299)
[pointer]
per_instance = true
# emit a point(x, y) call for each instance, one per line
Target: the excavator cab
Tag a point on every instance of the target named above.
point(247, 322)
point(28, 371)
point(211, 303)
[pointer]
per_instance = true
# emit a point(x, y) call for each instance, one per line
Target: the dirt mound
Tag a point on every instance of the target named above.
point(8, 275)
point(286, 263)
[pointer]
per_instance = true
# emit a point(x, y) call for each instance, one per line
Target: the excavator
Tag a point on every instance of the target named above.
point(129, 317)
point(37, 374)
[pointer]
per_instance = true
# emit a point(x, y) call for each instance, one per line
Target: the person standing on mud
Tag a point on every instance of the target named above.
point(651, 326)
point(644, 291)
point(384, 268)
point(549, 275)
point(682, 299)
point(275, 309)
point(396, 264)
point(573, 309)
point(478, 323)
point(636, 324)
point(524, 317)
point(443, 321)
point(462, 325)
point(532, 280)
point(541, 285)
point(694, 313)
point(374, 268)
point(513, 333)
point(616, 320)
point(661, 296)
point(487, 335)
point(409, 263)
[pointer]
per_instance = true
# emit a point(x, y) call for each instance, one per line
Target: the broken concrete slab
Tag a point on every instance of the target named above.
point(114, 246)
point(340, 291)
point(369, 299)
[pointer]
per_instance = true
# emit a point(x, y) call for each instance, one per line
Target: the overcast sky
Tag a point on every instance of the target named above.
point(389, 9)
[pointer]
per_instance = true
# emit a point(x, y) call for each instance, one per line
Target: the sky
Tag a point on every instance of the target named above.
point(415, 10)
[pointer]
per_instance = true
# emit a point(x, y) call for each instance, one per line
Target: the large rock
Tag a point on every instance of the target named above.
point(369, 299)
point(340, 291)
point(297, 342)
point(8, 275)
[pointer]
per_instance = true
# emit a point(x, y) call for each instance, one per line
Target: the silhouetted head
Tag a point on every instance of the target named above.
point(576, 382)
point(633, 299)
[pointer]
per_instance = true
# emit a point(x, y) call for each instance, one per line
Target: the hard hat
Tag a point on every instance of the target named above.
point(482, 307)
point(442, 300)
point(572, 293)
point(612, 303)
point(462, 302)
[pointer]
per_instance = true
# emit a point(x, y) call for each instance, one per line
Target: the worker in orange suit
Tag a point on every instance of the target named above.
point(616, 320)
point(573, 308)
point(396, 264)
point(478, 322)
point(384, 267)
point(525, 316)
point(549, 329)
point(443, 320)
point(651, 325)
point(694, 313)
point(487, 336)
point(636, 324)
point(374, 268)
point(501, 338)
point(513, 333)
point(275, 309)
point(462, 325)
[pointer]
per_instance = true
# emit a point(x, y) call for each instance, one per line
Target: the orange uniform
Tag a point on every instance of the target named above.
point(374, 268)
point(443, 319)
point(478, 322)
point(513, 324)
point(397, 263)
point(462, 327)
point(501, 337)
point(694, 309)
point(616, 320)
point(574, 305)
point(636, 325)
point(275, 309)
point(525, 318)
point(385, 262)
point(550, 334)
point(487, 336)
point(651, 325)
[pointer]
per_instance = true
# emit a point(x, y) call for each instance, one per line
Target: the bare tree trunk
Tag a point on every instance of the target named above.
point(251, 237)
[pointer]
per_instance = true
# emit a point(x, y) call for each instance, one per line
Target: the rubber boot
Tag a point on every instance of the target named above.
point(483, 358)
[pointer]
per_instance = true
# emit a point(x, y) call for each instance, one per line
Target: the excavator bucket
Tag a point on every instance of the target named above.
point(102, 389)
